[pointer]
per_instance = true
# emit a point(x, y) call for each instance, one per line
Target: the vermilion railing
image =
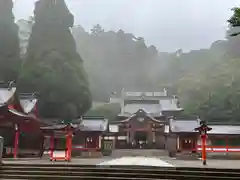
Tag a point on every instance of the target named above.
point(219, 148)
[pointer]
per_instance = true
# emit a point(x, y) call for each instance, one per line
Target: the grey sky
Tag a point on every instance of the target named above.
point(168, 24)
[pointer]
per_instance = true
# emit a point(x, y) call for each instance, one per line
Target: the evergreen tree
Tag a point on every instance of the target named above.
point(53, 67)
point(9, 42)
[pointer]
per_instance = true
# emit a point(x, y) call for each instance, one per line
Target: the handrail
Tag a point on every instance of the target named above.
point(219, 148)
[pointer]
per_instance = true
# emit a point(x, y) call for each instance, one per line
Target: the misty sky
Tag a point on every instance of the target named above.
point(168, 24)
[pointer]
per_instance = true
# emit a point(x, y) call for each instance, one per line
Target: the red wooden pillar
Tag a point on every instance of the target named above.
point(68, 152)
point(51, 146)
point(16, 141)
point(67, 146)
point(86, 141)
point(204, 154)
point(203, 134)
point(227, 144)
point(70, 146)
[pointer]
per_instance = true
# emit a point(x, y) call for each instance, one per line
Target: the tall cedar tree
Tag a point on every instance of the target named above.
point(9, 43)
point(53, 68)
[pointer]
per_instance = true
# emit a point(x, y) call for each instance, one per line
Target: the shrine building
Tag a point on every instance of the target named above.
point(181, 137)
point(18, 117)
point(142, 120)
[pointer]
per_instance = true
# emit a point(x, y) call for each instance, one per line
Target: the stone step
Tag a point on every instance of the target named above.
point(91, 154)
point(187, 156)
point(26, 172)
point(66, 172)
point(60, 177)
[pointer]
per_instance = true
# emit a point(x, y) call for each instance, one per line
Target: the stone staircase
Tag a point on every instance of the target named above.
point(91, 154)
point(187, 156)
point(68, 171)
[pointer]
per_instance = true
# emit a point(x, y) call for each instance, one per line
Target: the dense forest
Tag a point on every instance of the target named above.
point(207, 81)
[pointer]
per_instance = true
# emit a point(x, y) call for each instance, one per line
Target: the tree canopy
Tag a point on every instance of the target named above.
point(52, 67)
point(9, 43)
point(207, 81)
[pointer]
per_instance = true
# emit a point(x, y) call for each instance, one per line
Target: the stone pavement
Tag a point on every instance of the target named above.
point(162, 161)
point(80, 161)
point(140, 161)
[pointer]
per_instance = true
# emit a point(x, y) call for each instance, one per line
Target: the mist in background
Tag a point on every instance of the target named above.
point(167, 24)
point(146, 45)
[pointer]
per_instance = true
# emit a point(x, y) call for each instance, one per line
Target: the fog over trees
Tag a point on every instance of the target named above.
point(207, 81)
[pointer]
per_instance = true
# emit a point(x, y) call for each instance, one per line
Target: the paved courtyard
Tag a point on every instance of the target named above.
point(133, 157)
point(163, 161)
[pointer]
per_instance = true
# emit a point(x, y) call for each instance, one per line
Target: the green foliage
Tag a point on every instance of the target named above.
point(9, 43)
point(200, 78)
point(115, 60)
point(234, 20)
point(207, 81)
point(53, 67)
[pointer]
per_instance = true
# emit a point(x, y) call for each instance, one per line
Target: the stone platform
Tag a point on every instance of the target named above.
point(133, 157)
point(162, 161)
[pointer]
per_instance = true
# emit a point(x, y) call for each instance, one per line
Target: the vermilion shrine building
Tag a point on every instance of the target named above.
point(145, 121)
point(183, 138)
point(87, 135)
point(25, 133)
point(18, 116)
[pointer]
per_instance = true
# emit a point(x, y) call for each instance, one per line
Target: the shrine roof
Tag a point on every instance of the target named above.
point(27, 101)
point(113, 128)
point(24, 120)
point(178, 126)
point(169, 104)
point(51, 121)
point(224, 129)
point(142, 112)
point(125, 114)
point(59, 127)
point(17, 113)
point(83, 124)
point(7, 91)
point(97, 124)
point(143, 89)
point(148, 108)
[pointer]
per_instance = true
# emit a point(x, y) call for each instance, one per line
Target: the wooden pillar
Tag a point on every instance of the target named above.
point(100, 141)
point(68, 152)
point(42, 146)
point(67, 145)
point(204, 154)
point(154, 136)
point(51, 146)
point(227, 142)
point(86, 141)
point(70, 146)
point(16, 141)
point(178, 143)
point(97, 141)
point(128, 137)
